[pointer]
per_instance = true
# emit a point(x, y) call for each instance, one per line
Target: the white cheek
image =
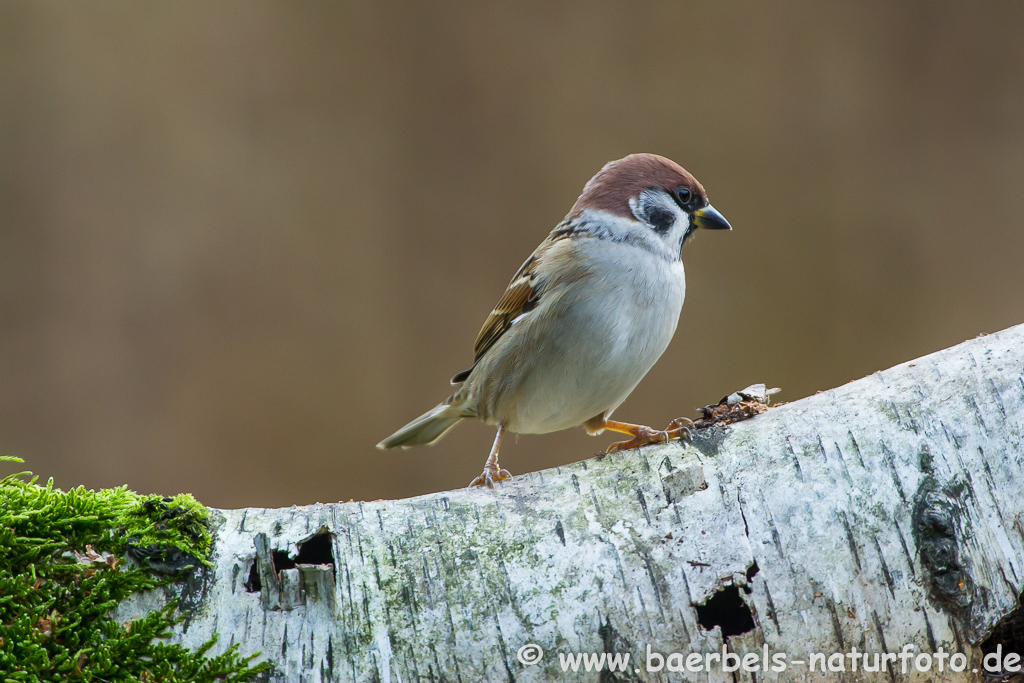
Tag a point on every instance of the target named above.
point(642, 204)
point(679, 228)
point(637, 208)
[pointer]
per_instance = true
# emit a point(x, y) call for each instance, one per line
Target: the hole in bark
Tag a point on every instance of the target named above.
point(281, 561)
point(316, 550)
point(253, 585)
point(938, 536)
point(1007, 637)
point(727, 610)
point(752, 571)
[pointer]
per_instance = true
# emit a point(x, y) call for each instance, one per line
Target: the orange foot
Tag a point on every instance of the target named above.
point(679, 428)
point(490, 475)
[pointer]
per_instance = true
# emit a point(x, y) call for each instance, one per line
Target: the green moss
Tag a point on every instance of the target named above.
point(68, 557)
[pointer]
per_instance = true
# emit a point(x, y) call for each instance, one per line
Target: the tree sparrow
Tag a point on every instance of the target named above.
point(585, 317)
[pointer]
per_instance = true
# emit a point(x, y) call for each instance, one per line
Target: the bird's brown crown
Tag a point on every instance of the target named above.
point(619, 181)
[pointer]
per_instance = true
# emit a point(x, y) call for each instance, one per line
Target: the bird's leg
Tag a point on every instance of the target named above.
point(492, 472)
point(643, 435)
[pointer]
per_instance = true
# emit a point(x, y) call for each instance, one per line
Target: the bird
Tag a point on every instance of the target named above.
point(585, 318)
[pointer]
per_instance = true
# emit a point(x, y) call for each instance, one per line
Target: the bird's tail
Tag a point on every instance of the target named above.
point(425, 429)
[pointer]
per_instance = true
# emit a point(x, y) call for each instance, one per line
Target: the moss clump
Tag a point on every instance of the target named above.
point(68, 557)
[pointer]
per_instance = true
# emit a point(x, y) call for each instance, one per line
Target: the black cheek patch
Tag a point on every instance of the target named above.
point(661, 220)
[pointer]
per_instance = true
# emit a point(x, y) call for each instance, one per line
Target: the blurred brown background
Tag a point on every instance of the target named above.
point(241, 243)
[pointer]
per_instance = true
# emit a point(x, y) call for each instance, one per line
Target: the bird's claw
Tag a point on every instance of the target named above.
point(489, 476)
point(680, 428)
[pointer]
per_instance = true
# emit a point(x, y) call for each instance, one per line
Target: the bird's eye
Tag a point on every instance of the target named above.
point(683, 196)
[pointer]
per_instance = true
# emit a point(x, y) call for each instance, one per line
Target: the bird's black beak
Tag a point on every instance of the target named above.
point(709, 218)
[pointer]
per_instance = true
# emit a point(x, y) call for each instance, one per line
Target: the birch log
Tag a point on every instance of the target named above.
point(886, 515)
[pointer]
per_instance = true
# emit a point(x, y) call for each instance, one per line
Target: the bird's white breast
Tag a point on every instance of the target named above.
point(588, 344)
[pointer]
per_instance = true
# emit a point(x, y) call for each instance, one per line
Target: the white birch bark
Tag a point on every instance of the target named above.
point(884, 513)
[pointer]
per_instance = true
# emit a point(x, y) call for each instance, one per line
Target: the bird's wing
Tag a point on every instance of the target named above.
point(521, 296)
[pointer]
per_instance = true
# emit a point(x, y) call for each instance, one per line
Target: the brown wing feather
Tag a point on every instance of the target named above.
point(521, 296)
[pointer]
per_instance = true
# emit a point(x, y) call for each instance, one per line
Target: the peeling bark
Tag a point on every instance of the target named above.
point(884, 513)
